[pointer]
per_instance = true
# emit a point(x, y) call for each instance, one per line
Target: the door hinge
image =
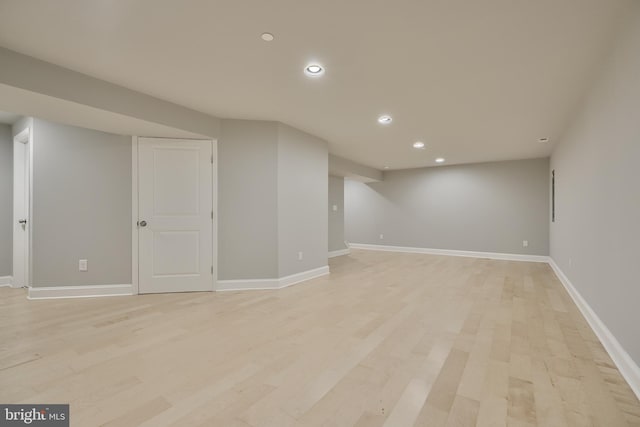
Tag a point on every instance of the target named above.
point(211, 159)
point(211, 214)
point(212, 269)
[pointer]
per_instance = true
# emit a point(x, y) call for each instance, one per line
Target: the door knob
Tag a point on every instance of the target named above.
point(23, 221)
point(142, 223)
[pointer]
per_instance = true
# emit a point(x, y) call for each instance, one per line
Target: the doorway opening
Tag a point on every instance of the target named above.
point(22, 146)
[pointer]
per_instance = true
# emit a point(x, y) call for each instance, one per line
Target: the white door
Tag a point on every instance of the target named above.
point(21, 224)
point(175, 210)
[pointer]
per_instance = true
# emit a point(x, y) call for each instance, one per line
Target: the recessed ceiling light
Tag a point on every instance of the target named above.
point(386, 167)
point(440, 160)
point(418, 144)
point(385, 119)
point(543, 140)
point(267, 37)
point(314, 70)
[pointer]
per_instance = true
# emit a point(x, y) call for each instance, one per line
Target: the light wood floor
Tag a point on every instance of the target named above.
point(387, 340)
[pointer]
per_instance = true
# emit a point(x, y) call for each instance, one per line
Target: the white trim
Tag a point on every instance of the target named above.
point(30, 215)
point(214, 207)
point(339, 252)
point(25, 136)
point(450, 252)
point(247, 285)
point(303, 276)
point(627, 367)
point(134, 215)
point(6, 281)
point(56, 292)
point(264, 284)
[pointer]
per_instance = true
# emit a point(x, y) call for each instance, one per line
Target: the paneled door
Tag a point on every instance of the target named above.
point(175, 215)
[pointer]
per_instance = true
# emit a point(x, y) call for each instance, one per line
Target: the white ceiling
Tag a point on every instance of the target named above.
point(475, 80)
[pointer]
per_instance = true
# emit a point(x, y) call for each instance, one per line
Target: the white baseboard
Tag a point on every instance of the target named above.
point(6, 281)
point(262, 284)
point(303, 276)
point(55, 292)
point(450, 252)
point(627, 367)
point(339, 252)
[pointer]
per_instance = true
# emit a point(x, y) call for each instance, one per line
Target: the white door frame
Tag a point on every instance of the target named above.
point(23, 153)
point(135, 219)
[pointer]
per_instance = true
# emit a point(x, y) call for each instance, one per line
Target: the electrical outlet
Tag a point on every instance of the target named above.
point(83, 265)
point(335, 208)
point(525, 243)
point(299, 256)
point(381, 236)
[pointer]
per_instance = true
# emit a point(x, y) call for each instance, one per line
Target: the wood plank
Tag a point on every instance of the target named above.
point(387, 339)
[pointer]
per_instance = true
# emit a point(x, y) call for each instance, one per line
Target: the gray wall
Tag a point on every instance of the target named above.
point(302, 201)
point(488, 207)
point(336, 218)
point(6, 200)
point(247, 200)
point(81, 206)
point(272, 199)
point(595, 237)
